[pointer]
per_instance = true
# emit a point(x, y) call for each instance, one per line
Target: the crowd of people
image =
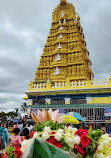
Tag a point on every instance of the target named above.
point(21, 131)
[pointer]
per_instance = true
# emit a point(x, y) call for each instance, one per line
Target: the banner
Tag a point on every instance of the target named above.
point(107, 111)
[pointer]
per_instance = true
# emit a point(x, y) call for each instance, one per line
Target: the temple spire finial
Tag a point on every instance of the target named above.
point(62, 1)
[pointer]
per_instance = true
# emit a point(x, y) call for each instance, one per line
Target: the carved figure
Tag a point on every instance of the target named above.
point(57, 71)
point(58, 57)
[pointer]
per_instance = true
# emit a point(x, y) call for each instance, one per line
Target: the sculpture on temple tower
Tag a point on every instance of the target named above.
point(57, 71)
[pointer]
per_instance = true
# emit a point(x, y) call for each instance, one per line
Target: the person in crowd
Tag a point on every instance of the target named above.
point(25, 134)
point(20, 126)
point(15, 125)
point(24, 126)
point(5, 135)
point(103, 128)
point(30, 127)
point(16, 139)
point(1, 129)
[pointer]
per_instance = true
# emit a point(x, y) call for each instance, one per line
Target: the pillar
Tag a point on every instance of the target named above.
point(30, 102)
point(67, 100)
point(48, 100)
point(89, 100)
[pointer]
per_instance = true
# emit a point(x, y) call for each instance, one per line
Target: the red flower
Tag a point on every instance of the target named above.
point(6, 153)
point(51, 140)
point(79, 149)
point(18, 152)
point(58, 144)
point(31, 135)
point(80, 132)
point(85, 141)
point(54, 142)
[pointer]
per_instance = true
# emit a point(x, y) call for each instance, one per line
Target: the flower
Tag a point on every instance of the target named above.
point(54, 142)
point(77, 139)
point(45, 135)
point(18, 152)
point(85, 141)
point(58, 136)
point(61, 131)
point(47, 129)
point(35, 135)
point(31, 135)
point(69, 141)
point(80, 132)
point(58, 144)
point(69, 128)
point(79, 149)
point(100, 147)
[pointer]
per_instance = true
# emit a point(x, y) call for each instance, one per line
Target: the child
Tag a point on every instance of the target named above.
point(16, 139)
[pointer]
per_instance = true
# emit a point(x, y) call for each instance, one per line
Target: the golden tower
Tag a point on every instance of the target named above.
point(65, 56)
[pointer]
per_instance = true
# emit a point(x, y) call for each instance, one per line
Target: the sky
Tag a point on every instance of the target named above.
point(24, 27)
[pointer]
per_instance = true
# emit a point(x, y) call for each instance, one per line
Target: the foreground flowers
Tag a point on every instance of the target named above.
point(104, 147)
point(78, 142)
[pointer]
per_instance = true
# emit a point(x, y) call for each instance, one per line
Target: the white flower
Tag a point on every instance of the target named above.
point(105, 142)
point(45, 135)
point(69, 140)
point(47, 129)
point(100, 147)
point(35, 135)
point(77, 140)
point(74, 129)
point(69, 134)
point(69, 128)
point(100, 155)
point(105, 135)
point(61, 131)
point(110, 139)
point(58, 136)
point(65, 128)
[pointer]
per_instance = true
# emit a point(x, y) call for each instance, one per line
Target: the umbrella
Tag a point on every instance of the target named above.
point(70, 119)
point(76, 115)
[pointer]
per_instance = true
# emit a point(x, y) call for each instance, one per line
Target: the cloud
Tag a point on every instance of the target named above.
point(24, 27)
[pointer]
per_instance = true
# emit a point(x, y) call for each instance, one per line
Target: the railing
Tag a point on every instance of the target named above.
point(69, 84)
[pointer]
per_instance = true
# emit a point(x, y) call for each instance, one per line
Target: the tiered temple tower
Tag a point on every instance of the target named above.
point(64, 78)
point(65, 55)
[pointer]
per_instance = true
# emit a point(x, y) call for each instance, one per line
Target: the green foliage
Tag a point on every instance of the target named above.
point(10, 150)
point(95, 136)
point(53, 126)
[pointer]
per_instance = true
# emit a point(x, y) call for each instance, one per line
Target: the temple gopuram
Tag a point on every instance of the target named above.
point(64, 78)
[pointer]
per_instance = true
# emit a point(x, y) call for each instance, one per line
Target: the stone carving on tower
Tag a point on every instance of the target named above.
point(65, 56)
point(58, 57)
point(57, 71)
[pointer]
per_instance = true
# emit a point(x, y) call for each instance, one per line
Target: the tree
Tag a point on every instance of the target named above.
point(3, 116)
point(23, 108)
point(17, 111)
